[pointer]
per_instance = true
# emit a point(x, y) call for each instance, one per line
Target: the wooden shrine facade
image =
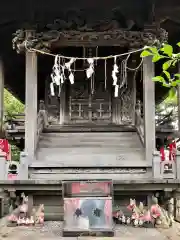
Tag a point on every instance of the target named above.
point(90, 101)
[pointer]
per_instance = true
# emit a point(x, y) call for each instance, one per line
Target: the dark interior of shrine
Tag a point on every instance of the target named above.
point(25, 14)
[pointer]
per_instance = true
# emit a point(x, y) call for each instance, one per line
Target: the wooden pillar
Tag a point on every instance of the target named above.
point(178, 154)
point(149, 108)
point(1, 93)
point(31, 105)
point(178, 95)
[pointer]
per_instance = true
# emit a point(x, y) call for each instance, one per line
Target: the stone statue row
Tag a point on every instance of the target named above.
point(140, 216)
point(25, 215)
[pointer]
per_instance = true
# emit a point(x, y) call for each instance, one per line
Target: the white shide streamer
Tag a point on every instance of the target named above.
point(58, 73)
point(90, 70)
point(115, 78)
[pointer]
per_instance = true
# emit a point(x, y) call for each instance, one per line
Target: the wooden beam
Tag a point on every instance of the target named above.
point(149, 108)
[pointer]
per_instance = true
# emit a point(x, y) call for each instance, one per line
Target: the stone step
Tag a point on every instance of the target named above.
point(90, 140)
point(88, 150)
point(80, 145)
point(90, 176)
point(102, 159)
point(86, 170)
point(90, 128)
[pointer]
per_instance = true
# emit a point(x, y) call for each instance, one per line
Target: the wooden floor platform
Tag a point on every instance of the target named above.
point(90, 128)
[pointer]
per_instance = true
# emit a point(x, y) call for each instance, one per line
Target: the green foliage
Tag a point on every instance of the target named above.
point(12, 106)
point(15, 153)
point(170, 60)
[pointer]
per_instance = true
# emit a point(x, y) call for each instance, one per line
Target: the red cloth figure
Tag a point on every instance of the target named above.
point(8, 157)
point(172, 151)
point(4, 146)
point(162, 154)
point(155, 211)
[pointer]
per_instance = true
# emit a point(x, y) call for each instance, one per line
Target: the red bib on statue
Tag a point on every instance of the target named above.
point(5, 147)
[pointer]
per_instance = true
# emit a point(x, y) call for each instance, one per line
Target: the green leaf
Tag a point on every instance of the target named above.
point(174, 63)
point(167, 65)
point(156, 58)
point(166, 85)
point(177, 75)
point(177, 81)
point(158, 79)
point(178, 44)
point(173, 84)
point(167, 49)
point(146, 53)
point(154, 50)
point(167, 74)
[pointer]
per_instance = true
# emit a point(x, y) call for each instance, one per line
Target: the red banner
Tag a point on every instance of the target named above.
point(90, 187)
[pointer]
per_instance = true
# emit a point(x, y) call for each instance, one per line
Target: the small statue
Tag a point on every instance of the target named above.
point(33, 215)
point(12, 219)
point(135, 212)
point(24, 206)
point(31, 221)
point(159, 215)
point(40, 215)
point(171, 209)
point(141, 208)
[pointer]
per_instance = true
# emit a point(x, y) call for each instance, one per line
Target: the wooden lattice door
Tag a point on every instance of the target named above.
point(86, 105)
point(101, 103)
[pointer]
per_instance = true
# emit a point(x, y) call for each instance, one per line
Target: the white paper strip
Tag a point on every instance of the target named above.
point(116, 92)
point(71, 78)
point(52, 89)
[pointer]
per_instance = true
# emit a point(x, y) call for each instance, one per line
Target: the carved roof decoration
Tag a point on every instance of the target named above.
point(47, 40)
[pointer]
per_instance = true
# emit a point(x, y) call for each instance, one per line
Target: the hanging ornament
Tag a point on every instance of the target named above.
point(68, 64)
point(52, 89)
point(56, 62)
point(71, 78)
point(56, 71)
point(124, 72)
point(90, 70)
point(61, 78)
point(57, 75)
point(115, 78)
point(114, 72)
point(116, 92)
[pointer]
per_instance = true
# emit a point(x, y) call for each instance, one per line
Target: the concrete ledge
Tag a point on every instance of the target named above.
point(59, 182)
point(14, 183)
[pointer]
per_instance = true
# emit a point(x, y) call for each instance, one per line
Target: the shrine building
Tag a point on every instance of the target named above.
point(89, 97)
